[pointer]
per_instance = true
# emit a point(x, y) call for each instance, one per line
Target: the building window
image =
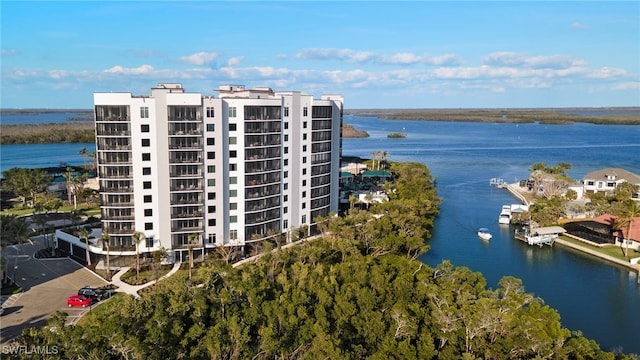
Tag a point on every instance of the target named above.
point(304, 159)
point(286, 198)
point(304, 219)
point(286, 174)
point(304, 195)
point(286, 149)
point(233, 180)
point(285, 224)
point(304, 124)
point(148, 212)
point(211, 141)
point(233, 193)
point(211, 196)
point(211, 209)
point(285, 210)
point(146, 142)
point(149, 240)
point(233, 235)
point(304, 205)
point(148, 226)
point(233, 167)
point(305, 111)
point(146, 184)
point(144, 112)
point(285, 186)
point(146, 156)
point(212, 222)
point(233, 127)
point(304, 182)
point(304, 148)
point(211, 127)
point(286, 137)
point(146, 171)
point(232, 112)
point(233, 140)
point(147, 198)
point(144, 128)
point(210, 112)
point(233, 154)
point(233, 206)
point(304, 171)
point(211, 155)
point(233, 219)
point(304, 136)
point(286, 162)
point(286, 125)
point(286, 111)
point(211, 182)
point(211, 169)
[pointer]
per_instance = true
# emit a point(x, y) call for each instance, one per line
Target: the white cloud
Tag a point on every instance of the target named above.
point(9, 52)
point(200, 58)
point(578, 26)
point(362, 57)
point(513, 59)
point(335, 54)
point(630, 85)
point(235, 60)
point(143, 69)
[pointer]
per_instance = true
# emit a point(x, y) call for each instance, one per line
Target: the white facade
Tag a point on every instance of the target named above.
point(228, 170)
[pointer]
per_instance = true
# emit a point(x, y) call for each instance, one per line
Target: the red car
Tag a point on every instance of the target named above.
point(78, 300)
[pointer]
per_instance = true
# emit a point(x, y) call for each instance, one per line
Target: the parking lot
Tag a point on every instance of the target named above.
point(47, 283)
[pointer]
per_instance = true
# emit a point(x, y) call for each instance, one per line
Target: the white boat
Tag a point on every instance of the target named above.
point(484, 234)
point(505, 215)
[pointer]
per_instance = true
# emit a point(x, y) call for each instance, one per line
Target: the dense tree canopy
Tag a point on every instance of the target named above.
point(356, 292)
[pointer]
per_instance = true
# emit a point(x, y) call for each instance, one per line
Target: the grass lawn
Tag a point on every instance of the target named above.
point(146, 275)
point(611, 250)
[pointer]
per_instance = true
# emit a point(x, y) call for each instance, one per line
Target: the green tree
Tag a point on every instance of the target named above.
point(106, 242)
point(26, 183)
point(84, 153)
point(136, 238)
point(625, 221)
point(193, 240)
point(84, 233)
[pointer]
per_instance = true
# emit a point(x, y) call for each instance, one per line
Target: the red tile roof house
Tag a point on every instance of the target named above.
point(632, 239)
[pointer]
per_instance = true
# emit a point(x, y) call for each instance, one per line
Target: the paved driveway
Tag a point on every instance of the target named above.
point(46, 282)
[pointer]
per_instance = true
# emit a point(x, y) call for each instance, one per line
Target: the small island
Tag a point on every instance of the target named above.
point(397, 135)
point(348, 131)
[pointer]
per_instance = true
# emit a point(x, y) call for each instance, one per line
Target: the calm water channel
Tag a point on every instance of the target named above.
point(600, 299)
point(595, 297)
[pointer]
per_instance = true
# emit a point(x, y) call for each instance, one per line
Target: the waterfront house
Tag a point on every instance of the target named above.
point(608, 179)
point(603, 230)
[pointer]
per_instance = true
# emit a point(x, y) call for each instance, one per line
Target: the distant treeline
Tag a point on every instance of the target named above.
point(47, 133)
point(606, 116)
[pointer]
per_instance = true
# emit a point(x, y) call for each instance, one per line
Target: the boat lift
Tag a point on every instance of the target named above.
point(541, 236)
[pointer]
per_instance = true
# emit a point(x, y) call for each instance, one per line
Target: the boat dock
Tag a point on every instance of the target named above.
point(540, 236)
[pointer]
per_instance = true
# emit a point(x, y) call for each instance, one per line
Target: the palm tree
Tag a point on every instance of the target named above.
point(84, 153)
point(625, 221)
point(137, 237)
point(85, 234)
point(193, 240)
point(105, 241)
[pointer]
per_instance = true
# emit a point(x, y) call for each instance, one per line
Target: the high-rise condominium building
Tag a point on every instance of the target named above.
point(191, 170)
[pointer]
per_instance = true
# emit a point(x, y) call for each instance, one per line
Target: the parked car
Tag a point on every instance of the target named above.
point(78, 300)
point(93, 293)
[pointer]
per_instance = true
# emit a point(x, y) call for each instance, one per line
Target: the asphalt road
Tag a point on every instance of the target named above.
point(46, 283)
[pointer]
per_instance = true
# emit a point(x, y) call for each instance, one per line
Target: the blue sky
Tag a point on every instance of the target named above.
point(377, 54)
